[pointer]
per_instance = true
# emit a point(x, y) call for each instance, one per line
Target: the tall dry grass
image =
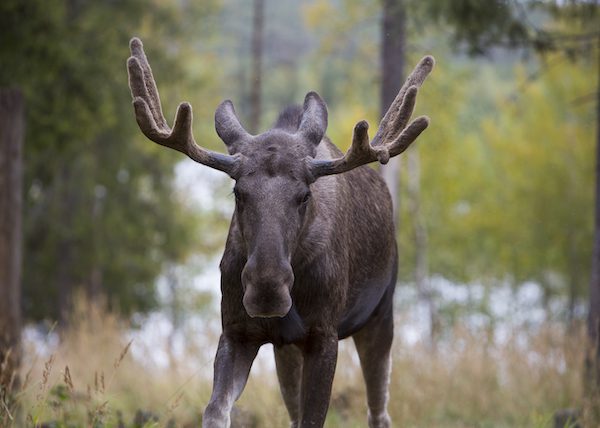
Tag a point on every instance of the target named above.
point(470, 381)
point(92, 378)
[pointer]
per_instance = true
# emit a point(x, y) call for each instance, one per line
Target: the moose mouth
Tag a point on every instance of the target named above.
point(267, 303)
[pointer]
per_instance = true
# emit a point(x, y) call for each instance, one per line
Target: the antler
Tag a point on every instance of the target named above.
point(149, 116)
point(392, 137)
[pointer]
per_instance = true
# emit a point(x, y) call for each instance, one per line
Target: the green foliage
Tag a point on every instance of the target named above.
point(506, 177)
point(507, 163)
point(511, 155)
point(100, 211)
point(480, 23)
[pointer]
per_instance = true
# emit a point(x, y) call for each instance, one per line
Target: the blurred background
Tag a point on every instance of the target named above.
point(110, 244)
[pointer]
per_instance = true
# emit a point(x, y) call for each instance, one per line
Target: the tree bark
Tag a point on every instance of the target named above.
point(593, 355)
point(392, 76)
point(257, 53)
point(420, 243)
point(94, 283)
point(64, 279)
point(12, 128)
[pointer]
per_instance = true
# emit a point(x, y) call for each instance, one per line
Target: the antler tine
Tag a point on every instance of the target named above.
point(393, 136)
point(146, 85)
point(359, 153)
point(398, 114)
point(149, 116)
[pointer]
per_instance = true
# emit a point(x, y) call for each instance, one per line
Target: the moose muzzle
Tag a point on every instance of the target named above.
point(267, 289)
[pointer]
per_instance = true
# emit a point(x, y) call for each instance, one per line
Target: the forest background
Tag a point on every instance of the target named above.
point(115, 241)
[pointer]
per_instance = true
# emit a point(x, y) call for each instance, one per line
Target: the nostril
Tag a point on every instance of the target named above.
point(268, 277)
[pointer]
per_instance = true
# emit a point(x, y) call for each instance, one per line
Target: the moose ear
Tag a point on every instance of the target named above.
point(229, 128)
point(314, 118)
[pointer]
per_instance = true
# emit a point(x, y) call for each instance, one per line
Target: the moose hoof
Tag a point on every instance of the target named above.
point(380, 421)
point(215, 417)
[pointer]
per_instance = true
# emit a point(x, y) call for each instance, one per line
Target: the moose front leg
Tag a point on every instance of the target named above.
point(232, 367)
point(320, 357)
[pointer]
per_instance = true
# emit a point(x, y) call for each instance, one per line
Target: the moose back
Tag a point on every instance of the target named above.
point(311, 253)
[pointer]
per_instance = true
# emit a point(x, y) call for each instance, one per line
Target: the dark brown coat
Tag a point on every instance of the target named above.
point(311, 253)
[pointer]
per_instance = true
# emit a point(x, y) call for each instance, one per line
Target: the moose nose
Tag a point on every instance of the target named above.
point(267, 290)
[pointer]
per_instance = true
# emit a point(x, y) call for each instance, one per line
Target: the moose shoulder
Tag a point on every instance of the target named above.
point(311, 253)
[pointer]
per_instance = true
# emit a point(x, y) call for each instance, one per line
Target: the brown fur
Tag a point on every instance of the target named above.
point(342, 253)
point(311, 253)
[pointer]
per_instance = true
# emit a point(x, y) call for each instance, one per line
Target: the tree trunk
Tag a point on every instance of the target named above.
point(12, 128)
point(420, 242)
point(176, 315)
point(392, 76)
point(257, 51)
point(574, 279)
point(65, 247)
point(94, 283)
point(593, 355)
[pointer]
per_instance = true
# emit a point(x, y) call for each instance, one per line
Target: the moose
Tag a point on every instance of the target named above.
point(311, 255)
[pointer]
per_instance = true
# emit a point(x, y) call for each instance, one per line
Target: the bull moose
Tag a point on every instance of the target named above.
point(311, 256)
